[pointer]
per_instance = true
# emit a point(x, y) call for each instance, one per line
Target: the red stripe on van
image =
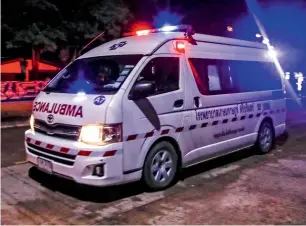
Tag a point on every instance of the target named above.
point(50, 146)
point(149, 134)
point(180, 129)
point(132, 137)
point(84, 153)
point(37, 143)
point(64, 150)
point(165, 131)
point(109, 153)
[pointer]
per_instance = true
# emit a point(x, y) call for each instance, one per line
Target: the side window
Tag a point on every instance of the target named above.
point(164, 71)
point(234, 76)
point(252, 76)
point(212, 76)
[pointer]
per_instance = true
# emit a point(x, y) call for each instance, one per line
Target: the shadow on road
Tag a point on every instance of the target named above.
point(84, 192)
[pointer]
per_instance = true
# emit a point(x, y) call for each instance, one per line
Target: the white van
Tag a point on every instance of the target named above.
point(146, 106)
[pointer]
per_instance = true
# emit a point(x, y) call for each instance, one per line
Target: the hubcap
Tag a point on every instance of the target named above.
point(266, 138)
point(162, 166)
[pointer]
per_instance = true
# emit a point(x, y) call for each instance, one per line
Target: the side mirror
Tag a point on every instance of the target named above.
point(142, 89)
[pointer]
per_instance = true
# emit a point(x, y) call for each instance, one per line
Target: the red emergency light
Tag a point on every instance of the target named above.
point(180, 46)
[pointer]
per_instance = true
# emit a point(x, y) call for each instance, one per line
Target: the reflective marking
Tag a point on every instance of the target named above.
point(215, 123)
point(192, 127)
point(165, 131)
point(64, 150)
point(180, 129)
point(204, 124)
point(132, 137)
point(149, 134)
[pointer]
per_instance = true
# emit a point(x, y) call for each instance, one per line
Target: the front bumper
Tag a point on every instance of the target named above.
point(76, 160)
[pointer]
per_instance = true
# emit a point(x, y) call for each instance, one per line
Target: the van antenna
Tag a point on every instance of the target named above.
point(188, 34)
point(94, 39)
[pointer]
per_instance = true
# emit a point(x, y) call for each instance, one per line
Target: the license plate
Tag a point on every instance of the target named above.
point(44, 165)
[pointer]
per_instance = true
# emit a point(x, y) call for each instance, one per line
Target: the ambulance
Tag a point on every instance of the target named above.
point(147, 105)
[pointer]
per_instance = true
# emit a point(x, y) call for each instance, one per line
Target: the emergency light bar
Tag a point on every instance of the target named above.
point(183, 28)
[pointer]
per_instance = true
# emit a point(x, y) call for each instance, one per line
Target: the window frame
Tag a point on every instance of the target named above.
point(220, 76)
point(146, 63)
point(223, 76)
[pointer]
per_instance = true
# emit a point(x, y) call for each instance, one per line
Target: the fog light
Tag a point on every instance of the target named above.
point(99, 170)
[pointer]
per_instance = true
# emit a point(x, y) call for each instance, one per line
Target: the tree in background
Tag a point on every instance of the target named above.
point(55, 25)
point(81, 26)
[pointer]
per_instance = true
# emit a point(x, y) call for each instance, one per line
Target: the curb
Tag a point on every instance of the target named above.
point(15, 125)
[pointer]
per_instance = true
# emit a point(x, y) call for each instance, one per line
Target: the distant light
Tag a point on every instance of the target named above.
point(287, 75)
point(258, 35)
point(142, 32)
point(229, 28)
point(266, 41)
point(300, 79)
point(168, 28)
point(298, 75)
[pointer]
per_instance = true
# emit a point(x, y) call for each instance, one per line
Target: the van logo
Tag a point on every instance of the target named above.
point(50, 118)
point(116, 46)
point(99, 100)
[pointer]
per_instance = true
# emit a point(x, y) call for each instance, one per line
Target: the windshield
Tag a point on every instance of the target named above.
point(94, 75)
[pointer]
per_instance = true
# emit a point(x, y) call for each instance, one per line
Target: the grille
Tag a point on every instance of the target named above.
point(62, 158)
point(64, 131)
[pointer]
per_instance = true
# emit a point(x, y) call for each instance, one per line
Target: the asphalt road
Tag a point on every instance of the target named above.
point(12, 146)
point(241, 188)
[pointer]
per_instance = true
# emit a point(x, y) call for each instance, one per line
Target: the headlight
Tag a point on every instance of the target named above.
point(32, 122)
point(101, 134)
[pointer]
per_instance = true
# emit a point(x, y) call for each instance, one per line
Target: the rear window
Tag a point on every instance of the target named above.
point(96, 75)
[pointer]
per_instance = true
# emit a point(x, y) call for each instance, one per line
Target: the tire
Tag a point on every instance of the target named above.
point(266, 138)
point(160, 167)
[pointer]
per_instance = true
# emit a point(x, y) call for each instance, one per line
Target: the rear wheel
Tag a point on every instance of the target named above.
point(266, 137)
point(160, 166)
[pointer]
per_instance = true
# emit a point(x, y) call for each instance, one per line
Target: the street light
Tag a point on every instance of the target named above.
point(229, 28)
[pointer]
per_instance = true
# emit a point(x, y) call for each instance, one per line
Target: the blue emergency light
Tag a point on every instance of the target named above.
point(177, 28)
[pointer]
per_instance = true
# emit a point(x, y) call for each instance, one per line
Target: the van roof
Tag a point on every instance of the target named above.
point(146, 44)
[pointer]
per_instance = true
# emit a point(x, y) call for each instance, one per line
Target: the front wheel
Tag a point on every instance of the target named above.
point(160, 166)
point(266, 137)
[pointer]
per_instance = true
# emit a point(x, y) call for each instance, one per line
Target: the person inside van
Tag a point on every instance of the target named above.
point(163, 77)
point(107, 75)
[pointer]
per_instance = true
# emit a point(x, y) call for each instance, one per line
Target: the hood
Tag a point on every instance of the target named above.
point(71, 109)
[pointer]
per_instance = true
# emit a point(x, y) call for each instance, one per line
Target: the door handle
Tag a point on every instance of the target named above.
point(178, 103)
point(196, 101)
